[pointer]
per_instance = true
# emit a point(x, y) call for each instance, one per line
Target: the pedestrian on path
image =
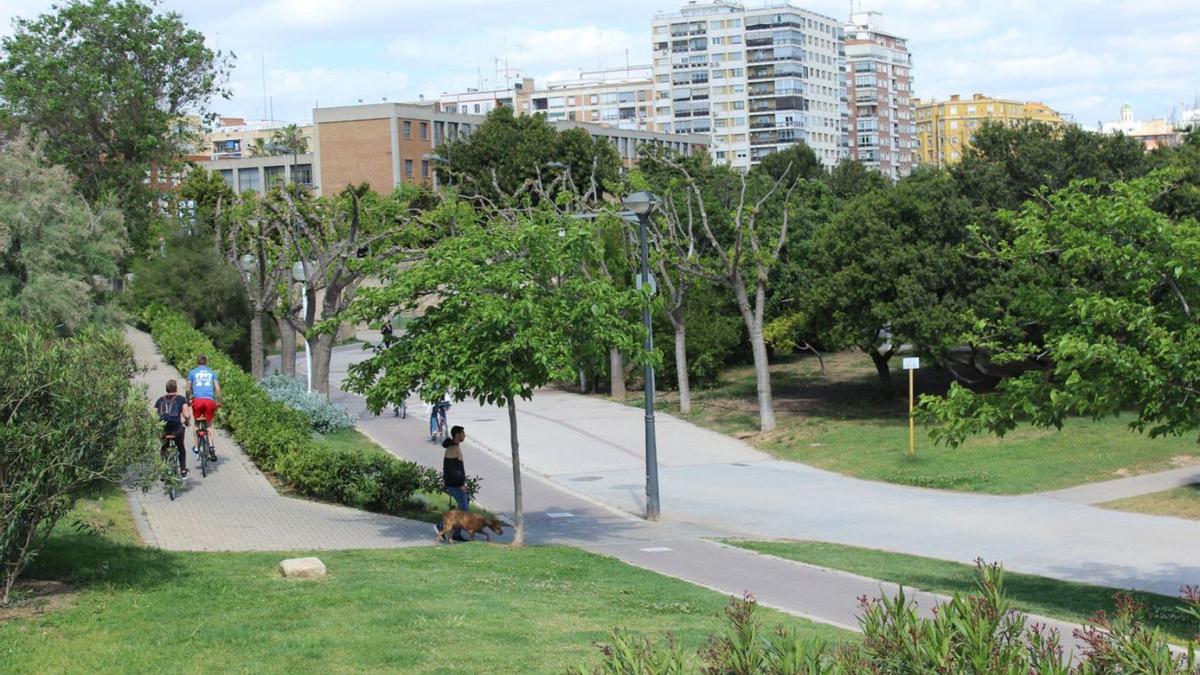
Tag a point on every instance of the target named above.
point(454, 473)
point(387, 332)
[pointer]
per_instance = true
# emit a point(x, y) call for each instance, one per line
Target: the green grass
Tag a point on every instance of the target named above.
point(462, 608)
point(843, 422)
point(1038, 595)
point(1182, 502)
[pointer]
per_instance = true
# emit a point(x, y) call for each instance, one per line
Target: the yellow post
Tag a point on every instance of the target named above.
point(912, 428)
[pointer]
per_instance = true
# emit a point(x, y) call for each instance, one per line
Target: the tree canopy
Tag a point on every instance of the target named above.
point(109, 84)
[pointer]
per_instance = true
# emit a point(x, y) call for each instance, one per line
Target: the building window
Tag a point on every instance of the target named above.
point(275, 176)
point(424, 168)
point(476, 108)
point(407, 130)
point(408, 168)
point(248, 180)
point(302, 174)
point(227, 176)
point(424, 131)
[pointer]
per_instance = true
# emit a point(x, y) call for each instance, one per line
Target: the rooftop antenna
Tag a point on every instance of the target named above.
point(264, 82)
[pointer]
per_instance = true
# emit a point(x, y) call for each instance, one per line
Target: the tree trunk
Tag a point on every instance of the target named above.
point(753, 318)
point(257, 364)
point(287, 347)
point(322, 352)
point(518, 504)
point(616, 369)
point(882, 369)
point(681, 366)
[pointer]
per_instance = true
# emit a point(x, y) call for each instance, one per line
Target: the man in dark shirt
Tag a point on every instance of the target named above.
point(454, 474)
point(174, 411)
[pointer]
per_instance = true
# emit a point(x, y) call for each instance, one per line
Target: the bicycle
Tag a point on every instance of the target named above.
point(439, 429)
point(170, 454)
point(208, 456)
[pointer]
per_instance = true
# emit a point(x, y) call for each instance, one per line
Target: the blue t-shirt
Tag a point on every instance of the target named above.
point(204, 382)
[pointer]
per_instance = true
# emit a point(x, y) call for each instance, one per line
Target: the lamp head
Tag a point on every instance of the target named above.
point(299, 273)
point(641, 203)
point(248, 263)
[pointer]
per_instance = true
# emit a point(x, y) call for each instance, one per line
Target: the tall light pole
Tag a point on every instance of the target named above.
point(642, 204)
point(300, 274)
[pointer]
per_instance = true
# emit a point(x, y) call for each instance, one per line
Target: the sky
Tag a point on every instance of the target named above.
point(1082, 57)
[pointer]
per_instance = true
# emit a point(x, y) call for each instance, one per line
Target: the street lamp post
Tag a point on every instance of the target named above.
point(642, 204)
point(300, 274)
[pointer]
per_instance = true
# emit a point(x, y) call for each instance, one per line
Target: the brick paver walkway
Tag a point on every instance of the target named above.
point(236, 509)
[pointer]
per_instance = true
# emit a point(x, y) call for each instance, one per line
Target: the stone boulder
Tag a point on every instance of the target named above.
point(302, 568)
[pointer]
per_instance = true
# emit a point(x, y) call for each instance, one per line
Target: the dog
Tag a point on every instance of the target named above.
point(470, 522)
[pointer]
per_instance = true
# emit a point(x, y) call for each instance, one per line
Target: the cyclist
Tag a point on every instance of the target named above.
point(388, 333)
point(174, 411)
point(436, 420)
point(203, 391)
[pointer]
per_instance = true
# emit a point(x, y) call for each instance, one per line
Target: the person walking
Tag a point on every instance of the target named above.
point(454, 474)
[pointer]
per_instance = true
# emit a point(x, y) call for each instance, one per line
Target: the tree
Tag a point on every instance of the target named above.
point(797, 161)
point(885, 271)
point(260, 148)
point(251, 234)
point(336, 239)
point(851, 178)
point(291, 140)
point(1100, 317)
point(744, 221)
point(1007, 165)
point(48, 455)
point(109, 84)
point(52, 242)
point(508, 154)
point(504, 297)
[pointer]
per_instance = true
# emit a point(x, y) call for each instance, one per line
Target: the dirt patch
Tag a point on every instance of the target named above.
point(1184, 461)
point(34, 597)
point(1122, 473)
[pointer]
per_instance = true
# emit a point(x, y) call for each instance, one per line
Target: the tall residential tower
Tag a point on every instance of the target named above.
point(756, 80)
point(882, 111)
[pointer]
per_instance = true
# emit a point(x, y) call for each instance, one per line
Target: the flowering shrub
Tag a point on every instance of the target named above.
point(325, 417)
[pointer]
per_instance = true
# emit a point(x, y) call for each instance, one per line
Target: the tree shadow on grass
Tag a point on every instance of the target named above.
point(92, 561)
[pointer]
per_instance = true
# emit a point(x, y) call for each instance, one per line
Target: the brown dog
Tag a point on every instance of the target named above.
point(465, 520)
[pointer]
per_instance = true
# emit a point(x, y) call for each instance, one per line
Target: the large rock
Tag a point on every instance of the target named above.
point(302, 568)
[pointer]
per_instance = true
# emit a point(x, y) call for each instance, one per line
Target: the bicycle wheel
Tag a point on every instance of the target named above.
point(168, 450)
point(204, 456)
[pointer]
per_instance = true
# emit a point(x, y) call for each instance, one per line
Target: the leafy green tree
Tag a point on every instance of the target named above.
point(48, 454)
point(1099, 319)
point(504, 301)
point(511, 156)
point(1184, 200)
point(109, 83)
point(52, 243)
point(259, 147)
point(1007, 165)
point(851, 178)
point(886, 271)
point(797, 161)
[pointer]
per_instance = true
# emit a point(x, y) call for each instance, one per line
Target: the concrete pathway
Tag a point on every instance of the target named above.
point(685, 550)
point(236, 509)
point(714, 483)
point(1121, 488)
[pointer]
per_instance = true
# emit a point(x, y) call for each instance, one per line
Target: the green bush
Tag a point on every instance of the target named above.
point(279, 439)
point(325, 417)
point(977, 634)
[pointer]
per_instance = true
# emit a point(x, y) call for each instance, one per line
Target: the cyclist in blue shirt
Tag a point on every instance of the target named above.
point(203, 390)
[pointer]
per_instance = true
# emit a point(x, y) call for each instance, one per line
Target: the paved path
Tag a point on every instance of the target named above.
point(715, 483)
point(555, 515)
point(236, 509)
point(1109, 490)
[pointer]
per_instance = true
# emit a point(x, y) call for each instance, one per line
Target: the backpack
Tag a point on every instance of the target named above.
point(169, 411)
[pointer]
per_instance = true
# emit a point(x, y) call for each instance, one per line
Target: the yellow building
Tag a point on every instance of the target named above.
point(945, 128)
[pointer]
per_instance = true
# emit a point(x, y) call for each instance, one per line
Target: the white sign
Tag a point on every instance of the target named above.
point(637, 283)
point(912, 363)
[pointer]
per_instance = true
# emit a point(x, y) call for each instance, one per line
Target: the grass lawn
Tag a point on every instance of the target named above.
point(841, 421)
point(1183, 502)
point(463, 608)
point(1039, 595)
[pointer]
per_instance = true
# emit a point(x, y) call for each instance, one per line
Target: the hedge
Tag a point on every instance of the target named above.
point(279, 439)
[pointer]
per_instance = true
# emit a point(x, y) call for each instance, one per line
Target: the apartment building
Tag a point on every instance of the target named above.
point(616, 97)
point(756, 80)
point(236, 137)
point(945, 128)
point(879, 88)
